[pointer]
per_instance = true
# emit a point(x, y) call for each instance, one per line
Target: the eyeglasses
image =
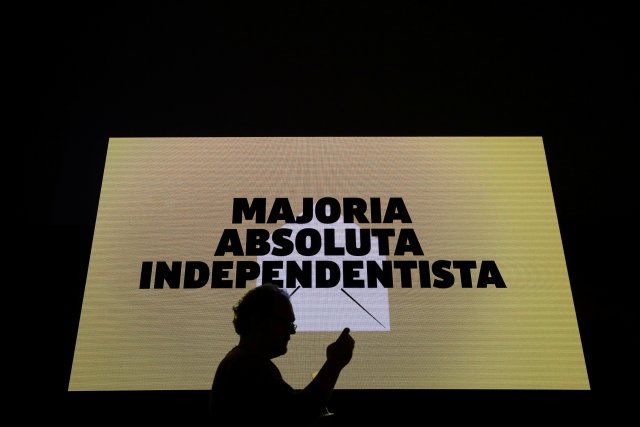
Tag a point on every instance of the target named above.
point(283, 320)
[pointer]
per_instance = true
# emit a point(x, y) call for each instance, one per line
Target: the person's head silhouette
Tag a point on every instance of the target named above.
point(264, 319)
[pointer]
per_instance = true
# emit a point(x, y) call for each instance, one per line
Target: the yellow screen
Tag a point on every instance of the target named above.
point(442, 254)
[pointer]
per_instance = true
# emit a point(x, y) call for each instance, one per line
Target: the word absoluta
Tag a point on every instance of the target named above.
point(309, 242)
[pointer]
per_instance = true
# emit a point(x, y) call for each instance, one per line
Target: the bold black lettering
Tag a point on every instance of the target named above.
point(445, 278)
point(334, 210)
point(465, 272)
point(219, 272)
point(377, 274)
point(396, 210)
point(297, 274)
point(229, 242)
point(282, 245)
point(489, 274)
point(145, 274)
point(376, 211)
point(281, 210)
point(425, 274)
point(242, 209)
point(171, 275)
point(196, 274)
point(408, 242)
point(330, 247)
point(354, 209)
point(270, 272)
point(257, 242)
point(246, 270)
point(405, 268)
point(383, 235)
point(327, 274)
point(315, 241)
point(307, 211)
point(351, 243)
point(349, 274)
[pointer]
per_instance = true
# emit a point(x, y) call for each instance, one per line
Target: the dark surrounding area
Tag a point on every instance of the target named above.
point(103, 71)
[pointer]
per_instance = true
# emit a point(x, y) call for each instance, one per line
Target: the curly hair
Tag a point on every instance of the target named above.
point(255, 303)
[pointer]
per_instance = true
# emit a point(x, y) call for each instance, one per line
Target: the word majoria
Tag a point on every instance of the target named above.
point(327, 210)
point(321, 274)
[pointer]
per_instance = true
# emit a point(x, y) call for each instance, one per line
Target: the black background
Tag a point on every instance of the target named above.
point(565, 73)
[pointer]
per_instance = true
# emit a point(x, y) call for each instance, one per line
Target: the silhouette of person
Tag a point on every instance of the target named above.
point(248, 386)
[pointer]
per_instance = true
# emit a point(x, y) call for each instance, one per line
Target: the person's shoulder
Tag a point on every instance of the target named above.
point(243, 363)
point(237, 352)
point(234, 372)
point(238, 355)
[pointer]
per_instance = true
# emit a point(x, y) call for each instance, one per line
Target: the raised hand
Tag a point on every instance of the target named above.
point(341, 351)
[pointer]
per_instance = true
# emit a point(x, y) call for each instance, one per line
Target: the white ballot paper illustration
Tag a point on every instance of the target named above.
point(334, 308)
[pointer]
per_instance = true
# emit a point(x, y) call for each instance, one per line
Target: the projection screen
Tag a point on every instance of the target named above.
point(442, 254)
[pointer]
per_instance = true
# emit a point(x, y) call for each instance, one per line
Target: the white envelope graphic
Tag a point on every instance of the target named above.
point(333, 309)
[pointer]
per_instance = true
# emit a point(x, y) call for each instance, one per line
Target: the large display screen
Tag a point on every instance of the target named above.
point(441, 254)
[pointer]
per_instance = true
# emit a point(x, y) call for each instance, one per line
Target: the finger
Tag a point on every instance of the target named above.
point(344, 334)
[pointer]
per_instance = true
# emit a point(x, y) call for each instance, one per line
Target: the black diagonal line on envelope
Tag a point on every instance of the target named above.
point(360, 305)
point(294, 291)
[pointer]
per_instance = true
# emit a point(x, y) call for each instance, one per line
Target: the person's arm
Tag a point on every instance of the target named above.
point(339, 354)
